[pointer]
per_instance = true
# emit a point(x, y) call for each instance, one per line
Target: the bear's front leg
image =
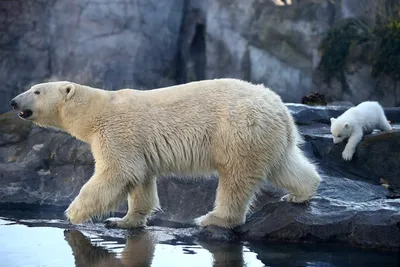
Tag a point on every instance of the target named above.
point(142, 201)
point(351, 145)
point(97, 197)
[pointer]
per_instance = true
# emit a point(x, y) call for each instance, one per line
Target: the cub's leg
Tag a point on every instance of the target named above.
point(142, 201)
point(351, 145)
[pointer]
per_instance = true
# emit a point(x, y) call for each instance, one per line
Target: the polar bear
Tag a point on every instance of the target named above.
point(241, 131)
point(357, 121)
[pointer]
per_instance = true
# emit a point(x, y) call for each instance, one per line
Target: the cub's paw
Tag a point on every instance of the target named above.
point(124, 223)
point(347, 155)
point(294, 199)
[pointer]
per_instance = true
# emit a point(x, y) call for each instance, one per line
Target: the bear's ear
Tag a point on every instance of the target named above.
point(333, 119)
point(346, 125)
point(68, 91)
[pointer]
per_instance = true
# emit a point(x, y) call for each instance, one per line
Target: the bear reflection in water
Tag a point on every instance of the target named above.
point(139, 251)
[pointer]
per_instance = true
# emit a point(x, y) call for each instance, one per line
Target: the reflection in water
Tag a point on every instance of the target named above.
point(138, 251)
point(317, 255)
point(143, 249)
point(29, 242)
point(225, 254)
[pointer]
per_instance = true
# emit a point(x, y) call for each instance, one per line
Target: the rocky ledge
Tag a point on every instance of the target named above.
point(48, 167)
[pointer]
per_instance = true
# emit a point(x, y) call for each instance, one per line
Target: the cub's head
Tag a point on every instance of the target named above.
point(340, 130)
point(42, 102)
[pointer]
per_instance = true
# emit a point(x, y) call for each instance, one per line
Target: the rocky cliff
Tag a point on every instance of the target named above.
point(147, 43)
point(48, 167)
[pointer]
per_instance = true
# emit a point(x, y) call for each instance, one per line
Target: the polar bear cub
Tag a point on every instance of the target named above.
point(357, 121)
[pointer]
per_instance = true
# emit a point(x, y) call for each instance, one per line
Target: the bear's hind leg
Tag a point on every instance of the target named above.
point(142, 201)
point(235, 193)
point(298, 175)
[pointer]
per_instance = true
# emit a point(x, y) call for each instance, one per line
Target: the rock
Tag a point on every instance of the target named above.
point(354, 77)
point(266, 43)
point(347, 104)
point(375, 158)
point(152, 43)
point(99, 43)
point(382, 89)
point(215, 233)
point(306, 115)
point(344, 211)
point(48, 167)
point(40, 165)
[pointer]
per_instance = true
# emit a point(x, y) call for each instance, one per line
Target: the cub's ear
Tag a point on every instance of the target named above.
point(333, 119)
point(346, 125)
point(68, 91)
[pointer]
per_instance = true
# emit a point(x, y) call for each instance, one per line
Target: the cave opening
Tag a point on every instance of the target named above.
point(197, 54)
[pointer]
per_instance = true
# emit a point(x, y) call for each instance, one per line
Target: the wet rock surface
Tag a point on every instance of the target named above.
point(48, 167)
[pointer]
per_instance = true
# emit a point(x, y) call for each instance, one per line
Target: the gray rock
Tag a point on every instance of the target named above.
point(343, 211)
point(265, 43)
point(306, 115)
point(376, 157)
point(40, 166)
point(357, 84)
point(153, 43)
point(115, 44)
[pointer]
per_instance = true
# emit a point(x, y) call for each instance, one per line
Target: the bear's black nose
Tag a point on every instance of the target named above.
point(14, 104)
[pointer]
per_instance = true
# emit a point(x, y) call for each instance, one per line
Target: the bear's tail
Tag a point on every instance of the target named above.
point(296, 174)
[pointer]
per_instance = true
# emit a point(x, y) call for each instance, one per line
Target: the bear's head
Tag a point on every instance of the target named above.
point(340, 130)
point(43, 102)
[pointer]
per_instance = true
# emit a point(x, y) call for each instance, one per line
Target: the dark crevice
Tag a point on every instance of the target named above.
point(191, 52)
point(197, 53)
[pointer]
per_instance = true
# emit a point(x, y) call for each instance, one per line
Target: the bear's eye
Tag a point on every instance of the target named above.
point(36, 93)
point(339, 135)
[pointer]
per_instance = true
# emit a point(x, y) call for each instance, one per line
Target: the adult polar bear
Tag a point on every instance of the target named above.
point(242, 131)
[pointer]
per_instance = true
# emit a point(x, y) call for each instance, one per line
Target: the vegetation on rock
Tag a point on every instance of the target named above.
point(314, 99)
point(387, 57)
point(374, 43)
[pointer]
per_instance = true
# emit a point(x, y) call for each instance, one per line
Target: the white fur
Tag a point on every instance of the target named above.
point(240, 130)
point(357, 121)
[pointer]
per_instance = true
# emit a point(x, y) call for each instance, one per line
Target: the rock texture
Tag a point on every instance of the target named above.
point(38, 165)
point(152, 43)
point(265, 43)
point(108, 44)
point(42, 166)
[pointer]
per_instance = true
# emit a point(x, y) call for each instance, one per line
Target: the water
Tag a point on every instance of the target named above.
point(28, 240)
